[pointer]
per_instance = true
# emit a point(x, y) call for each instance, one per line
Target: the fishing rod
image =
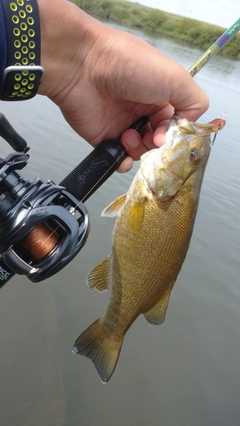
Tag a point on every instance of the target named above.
point(43, 226)
point(218, 45)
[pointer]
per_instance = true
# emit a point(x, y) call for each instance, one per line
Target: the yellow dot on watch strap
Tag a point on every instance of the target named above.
point(13, 6)
point(23, 73)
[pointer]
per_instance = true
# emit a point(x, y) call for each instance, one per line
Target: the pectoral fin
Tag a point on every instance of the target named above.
point(99, 278)
point(115, 207)
point(157, 314)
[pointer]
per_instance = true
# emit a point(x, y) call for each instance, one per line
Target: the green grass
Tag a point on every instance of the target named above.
point(191, 31)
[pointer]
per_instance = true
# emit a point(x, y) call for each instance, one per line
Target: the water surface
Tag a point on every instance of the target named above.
point(185, 372)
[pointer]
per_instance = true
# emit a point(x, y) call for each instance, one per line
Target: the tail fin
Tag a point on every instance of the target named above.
point(102, 349)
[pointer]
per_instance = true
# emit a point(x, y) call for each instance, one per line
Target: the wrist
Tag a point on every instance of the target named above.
point(22, 72)
point(67, 36)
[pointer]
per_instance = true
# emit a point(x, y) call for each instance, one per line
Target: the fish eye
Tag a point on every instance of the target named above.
point(193, 155)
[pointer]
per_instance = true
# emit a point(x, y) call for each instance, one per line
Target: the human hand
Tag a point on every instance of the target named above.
point(103, 80)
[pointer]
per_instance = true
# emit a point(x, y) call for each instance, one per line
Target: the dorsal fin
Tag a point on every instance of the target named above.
point(99, 278)
point(115, 207)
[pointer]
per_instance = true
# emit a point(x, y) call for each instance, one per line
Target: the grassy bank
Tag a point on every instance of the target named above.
point(191, 31)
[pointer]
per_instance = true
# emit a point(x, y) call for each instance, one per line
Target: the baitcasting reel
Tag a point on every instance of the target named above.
point(43, 226)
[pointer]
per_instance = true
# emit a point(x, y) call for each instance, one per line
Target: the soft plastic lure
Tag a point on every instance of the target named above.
point(218, 123)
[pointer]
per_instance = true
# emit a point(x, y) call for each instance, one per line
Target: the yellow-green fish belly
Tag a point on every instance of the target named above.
point(149, 248)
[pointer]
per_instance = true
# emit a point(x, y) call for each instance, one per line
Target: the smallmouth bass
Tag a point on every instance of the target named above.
point(150, 240)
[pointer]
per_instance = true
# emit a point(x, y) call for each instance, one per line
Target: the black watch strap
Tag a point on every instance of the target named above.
point(23, 73)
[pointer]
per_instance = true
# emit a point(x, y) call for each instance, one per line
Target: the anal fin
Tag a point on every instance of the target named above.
point(99, 278)
point(157, 314)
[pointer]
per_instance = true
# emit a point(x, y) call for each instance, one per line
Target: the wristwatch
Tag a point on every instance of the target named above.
point(23, 72)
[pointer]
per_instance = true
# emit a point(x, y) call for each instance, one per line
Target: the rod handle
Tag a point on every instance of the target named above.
point(98, 166)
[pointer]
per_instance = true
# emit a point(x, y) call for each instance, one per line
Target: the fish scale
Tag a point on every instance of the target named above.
point(154, 239)
point(150, 240)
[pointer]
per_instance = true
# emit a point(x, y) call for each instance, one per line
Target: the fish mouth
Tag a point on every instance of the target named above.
point(190, 129)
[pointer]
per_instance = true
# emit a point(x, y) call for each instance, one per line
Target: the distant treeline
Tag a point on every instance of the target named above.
point(188, 30)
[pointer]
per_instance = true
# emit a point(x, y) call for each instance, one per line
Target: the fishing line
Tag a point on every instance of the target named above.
point(235, 101)
point(40, 235)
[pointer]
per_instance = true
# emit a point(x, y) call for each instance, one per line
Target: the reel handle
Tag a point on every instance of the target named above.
point(10, 135)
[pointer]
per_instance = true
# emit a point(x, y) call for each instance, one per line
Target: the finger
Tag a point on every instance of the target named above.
point(159, 134)
point(126, 165)
point(188, 99)
point(159, 123)
point(132, 142)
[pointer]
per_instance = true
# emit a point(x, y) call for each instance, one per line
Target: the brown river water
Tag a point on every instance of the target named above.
point(185, 372)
